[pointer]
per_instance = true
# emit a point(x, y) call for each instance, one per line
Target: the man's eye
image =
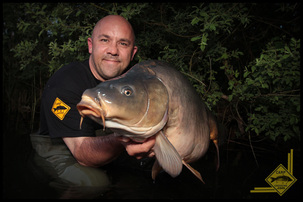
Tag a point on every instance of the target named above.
point(124, 43)
point(104, 40)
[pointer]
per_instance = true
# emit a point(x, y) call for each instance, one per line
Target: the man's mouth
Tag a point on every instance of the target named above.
point(111, 60)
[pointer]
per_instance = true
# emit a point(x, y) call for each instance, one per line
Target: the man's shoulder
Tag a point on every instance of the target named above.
point(71, 71)
point(59, 101)
point(69, 82)
point(73, 76)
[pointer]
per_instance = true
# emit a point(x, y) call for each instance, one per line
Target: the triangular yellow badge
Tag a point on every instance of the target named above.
point(60, 109)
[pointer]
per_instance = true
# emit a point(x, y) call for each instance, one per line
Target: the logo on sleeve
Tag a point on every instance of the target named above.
point(60, 109)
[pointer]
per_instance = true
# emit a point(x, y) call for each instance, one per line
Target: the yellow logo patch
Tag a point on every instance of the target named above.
point(60, 109)
point(280, 179)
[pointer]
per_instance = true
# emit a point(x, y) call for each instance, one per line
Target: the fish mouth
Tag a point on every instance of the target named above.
point(92, 109)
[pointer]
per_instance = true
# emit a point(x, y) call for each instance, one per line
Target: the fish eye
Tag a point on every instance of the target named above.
point(127, 91)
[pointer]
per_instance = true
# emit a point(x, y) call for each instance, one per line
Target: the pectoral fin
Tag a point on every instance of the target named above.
point(167, 156)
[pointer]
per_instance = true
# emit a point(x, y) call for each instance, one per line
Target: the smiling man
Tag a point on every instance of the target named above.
point(111, 47)
point(71, 156)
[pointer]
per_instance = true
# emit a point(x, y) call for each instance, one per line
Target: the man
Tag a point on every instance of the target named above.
point(72, 164)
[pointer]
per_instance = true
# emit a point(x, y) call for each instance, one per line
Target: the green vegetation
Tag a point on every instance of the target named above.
point(243, 59)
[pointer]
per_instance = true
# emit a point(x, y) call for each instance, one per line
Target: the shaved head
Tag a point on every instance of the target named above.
point(112, 47)
point(114, 19)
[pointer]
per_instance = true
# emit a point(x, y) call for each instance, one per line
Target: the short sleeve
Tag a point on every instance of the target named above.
point(62, 118)
point(59, 116)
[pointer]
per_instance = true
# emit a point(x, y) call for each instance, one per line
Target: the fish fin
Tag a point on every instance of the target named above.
point(156, 169)
point(194, 171)
point(214, 136)
point(167, 156)
point(218, 154)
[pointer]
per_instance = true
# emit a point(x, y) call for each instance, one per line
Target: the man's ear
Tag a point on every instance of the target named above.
point(90, 45)
point(135, 49)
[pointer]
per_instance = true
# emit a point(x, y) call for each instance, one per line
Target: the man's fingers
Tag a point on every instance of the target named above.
point(139, 150)
point(123, 139)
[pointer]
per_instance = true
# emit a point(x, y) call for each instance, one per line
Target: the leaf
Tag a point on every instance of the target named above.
point(230, 97)
point(195, 38)
point(246, 73)
point(195, 21)
point(203, 43)
point(78, 13)
point(212, 27)
point(43, 7)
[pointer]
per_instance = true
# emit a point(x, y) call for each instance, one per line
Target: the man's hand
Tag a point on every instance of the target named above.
point(139, 149)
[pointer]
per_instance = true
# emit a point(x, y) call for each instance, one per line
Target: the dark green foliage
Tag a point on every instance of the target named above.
point(243, 59)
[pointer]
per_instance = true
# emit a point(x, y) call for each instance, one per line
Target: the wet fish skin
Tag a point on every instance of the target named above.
point(188, 125)
point(153, 98)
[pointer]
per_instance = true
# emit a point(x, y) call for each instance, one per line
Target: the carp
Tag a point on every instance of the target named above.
point(153, 98)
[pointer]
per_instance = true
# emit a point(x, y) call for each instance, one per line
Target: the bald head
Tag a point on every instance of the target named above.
point(112, 47)
point(116, 20)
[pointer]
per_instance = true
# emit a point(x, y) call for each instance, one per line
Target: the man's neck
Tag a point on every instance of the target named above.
point(93, 70)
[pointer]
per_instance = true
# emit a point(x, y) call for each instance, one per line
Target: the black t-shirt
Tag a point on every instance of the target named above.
point(62, 93)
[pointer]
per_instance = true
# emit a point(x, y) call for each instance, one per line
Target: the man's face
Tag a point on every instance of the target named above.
point(111, 47)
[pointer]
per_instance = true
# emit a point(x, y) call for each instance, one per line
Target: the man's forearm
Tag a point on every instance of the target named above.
point(97, 151)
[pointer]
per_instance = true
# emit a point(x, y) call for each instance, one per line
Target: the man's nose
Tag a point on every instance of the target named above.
point(112, 49)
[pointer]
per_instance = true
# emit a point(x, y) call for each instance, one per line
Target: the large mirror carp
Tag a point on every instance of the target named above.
point(153, 98)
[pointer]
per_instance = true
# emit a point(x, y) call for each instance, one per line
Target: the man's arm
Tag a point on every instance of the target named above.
point(100, 150)
point(94, 151)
